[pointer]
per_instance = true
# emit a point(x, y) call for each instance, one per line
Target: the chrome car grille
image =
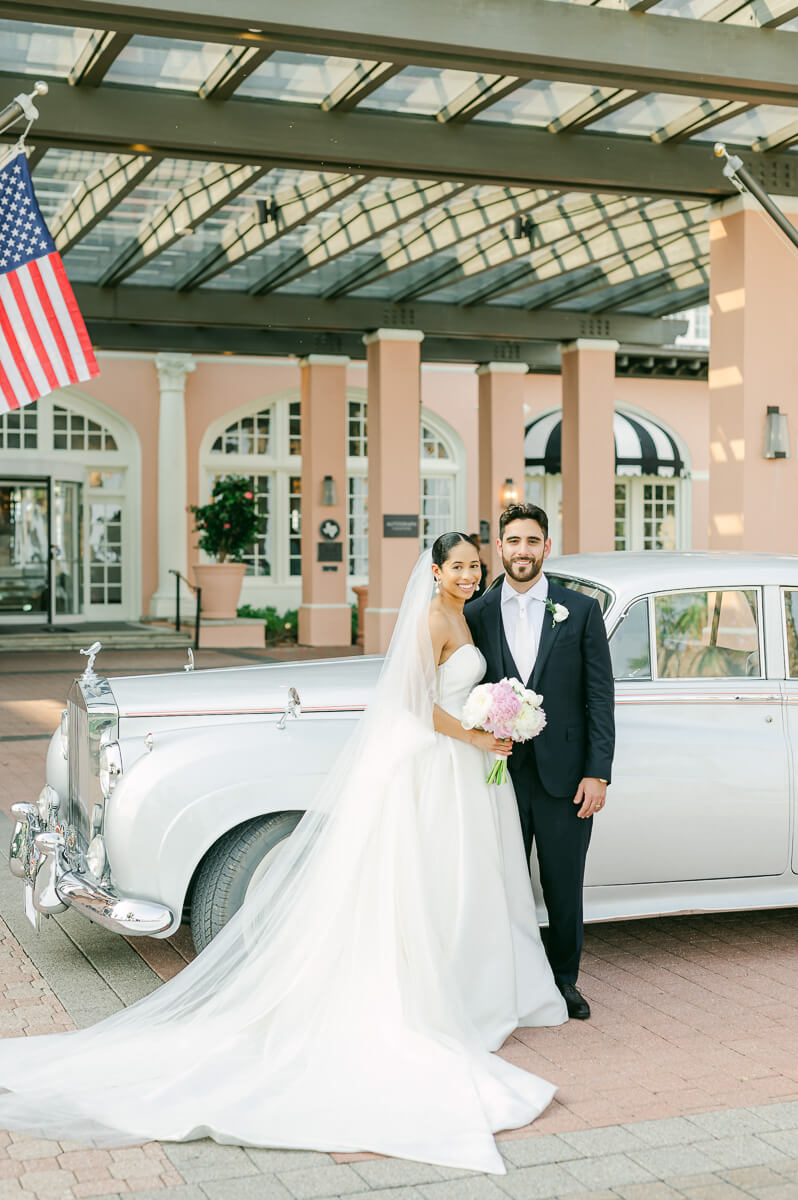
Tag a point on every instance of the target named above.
point(78, 763)
point(91, 712)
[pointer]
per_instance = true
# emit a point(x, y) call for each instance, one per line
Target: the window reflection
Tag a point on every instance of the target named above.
point(708, 634)
point(630, 647)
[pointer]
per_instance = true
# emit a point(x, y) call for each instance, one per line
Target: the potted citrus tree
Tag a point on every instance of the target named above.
point(227, 525)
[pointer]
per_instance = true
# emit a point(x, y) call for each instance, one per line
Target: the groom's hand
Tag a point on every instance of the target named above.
point(591, 795)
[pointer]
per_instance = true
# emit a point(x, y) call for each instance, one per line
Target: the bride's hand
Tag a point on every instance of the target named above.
point(502, 747)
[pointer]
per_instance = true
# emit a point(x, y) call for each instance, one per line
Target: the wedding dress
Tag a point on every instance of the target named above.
point(354, 1001)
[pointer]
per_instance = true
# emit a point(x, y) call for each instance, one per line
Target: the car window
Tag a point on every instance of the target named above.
point(629, 645)
point(707, 634)
point(586, 587)
point(791, 619)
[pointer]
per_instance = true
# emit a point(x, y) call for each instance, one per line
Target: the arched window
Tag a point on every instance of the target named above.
point(74, 431)
point(19, 430)
point(438, 480)
point(73, 470)
point(265, 447)
point(441, 502)
point(651, 500)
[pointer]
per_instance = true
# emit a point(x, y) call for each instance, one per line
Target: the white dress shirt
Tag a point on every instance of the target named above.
point(535, 601)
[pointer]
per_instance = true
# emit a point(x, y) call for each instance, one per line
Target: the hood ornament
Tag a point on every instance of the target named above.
point(89, 675)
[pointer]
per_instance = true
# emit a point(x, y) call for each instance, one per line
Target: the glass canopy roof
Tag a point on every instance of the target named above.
point(200, 216)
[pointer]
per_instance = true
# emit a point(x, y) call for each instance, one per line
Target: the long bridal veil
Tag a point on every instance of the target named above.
point(322, 1016)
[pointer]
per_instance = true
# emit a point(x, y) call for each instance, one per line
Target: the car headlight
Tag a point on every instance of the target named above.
point(96, 857)
point(65, 733)
point(110, 766)
point(48, 804)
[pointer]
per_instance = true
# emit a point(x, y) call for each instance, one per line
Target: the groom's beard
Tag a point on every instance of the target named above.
point(523, 572)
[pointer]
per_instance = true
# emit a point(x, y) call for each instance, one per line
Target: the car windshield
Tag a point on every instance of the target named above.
point(586, 587)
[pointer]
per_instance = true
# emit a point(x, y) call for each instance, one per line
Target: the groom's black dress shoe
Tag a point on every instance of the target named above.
point(578, 1007)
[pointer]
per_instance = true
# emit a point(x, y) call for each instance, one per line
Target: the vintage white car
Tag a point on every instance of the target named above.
point(167, 795)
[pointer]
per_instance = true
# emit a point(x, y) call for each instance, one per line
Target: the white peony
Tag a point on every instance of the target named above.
point(476, 708)
point(560, 614)
point(529, 722)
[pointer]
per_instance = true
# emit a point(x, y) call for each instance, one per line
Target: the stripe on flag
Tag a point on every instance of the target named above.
point(43, 340)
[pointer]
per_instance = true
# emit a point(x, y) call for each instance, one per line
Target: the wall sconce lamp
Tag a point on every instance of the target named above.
point(509, 493)
point(777, 433)
point(329, 492)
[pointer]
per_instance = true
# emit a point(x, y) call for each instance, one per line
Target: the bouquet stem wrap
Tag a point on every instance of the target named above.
point(498, 772)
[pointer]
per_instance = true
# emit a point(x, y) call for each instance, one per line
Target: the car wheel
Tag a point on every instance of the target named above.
point(233, 867)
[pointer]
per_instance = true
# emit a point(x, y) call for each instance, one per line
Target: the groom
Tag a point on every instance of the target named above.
point(553, 640)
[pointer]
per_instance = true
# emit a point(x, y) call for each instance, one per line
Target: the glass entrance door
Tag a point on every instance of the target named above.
point(40, 550)
point(24, 550)
point(66, 558)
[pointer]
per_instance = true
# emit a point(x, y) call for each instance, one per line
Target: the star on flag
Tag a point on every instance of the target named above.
point(43, 340)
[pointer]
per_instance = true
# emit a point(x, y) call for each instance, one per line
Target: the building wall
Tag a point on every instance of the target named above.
point(221, 386)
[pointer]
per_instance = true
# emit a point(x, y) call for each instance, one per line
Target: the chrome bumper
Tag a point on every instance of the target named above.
point(36, 857)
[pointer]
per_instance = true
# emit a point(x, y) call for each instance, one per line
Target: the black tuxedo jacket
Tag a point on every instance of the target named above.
point(573, 673)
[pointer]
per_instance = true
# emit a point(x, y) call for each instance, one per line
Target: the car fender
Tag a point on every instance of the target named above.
point(177, 801)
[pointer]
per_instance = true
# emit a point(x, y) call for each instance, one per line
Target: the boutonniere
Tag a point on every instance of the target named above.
point(558, 612)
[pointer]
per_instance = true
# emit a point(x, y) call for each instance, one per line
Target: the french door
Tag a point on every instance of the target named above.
point(40, 550)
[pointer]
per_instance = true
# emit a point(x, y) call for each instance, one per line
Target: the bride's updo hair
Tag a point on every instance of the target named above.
point(443, 545)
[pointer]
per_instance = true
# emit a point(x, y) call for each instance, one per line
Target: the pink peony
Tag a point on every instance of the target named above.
point(247, 495)
point(507, 710)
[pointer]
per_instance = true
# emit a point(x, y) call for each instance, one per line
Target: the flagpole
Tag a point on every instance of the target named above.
point(22, 106)
point(741, 177)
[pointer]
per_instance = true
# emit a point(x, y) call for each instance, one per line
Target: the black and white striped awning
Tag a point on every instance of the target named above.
point(641, 447)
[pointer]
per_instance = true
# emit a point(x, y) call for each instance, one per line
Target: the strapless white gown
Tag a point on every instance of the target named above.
point(412, 952)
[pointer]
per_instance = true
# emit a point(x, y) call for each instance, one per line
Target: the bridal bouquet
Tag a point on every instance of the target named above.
point(507, 710)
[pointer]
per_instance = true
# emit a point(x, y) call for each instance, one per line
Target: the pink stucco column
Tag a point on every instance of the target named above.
point(753, 363)
point(501, 443)
point(324, 614)
point(588, 445)
point(394, 421)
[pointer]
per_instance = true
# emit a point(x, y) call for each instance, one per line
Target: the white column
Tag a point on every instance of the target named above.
point(172, 541)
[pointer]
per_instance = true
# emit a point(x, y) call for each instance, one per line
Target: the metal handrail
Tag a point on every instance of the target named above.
point(198, 590)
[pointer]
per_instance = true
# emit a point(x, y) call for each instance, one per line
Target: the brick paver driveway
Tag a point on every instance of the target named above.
point(683, 1083)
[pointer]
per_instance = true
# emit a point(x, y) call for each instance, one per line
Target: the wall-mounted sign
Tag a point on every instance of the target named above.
point(330, 529)
point(484, 532)
point(400, 525)
point(330, 552)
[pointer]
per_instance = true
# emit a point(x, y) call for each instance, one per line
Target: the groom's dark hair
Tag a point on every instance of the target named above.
point(524, 512)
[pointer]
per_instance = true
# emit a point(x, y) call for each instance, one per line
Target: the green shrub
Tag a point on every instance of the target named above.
point(277, 627)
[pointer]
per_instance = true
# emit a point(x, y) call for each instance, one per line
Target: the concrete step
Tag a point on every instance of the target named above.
point(124, 637)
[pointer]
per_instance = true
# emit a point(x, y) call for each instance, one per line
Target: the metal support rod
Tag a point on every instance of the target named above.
point(22, 106)
point(739, 174)
point(197, 619)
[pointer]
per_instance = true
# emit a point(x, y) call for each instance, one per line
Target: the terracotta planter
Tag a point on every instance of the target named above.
point(221, 588)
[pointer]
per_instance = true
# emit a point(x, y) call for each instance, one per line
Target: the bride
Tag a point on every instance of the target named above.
point(354, 1001)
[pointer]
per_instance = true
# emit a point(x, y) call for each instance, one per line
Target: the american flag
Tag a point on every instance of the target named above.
point(43, 340)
